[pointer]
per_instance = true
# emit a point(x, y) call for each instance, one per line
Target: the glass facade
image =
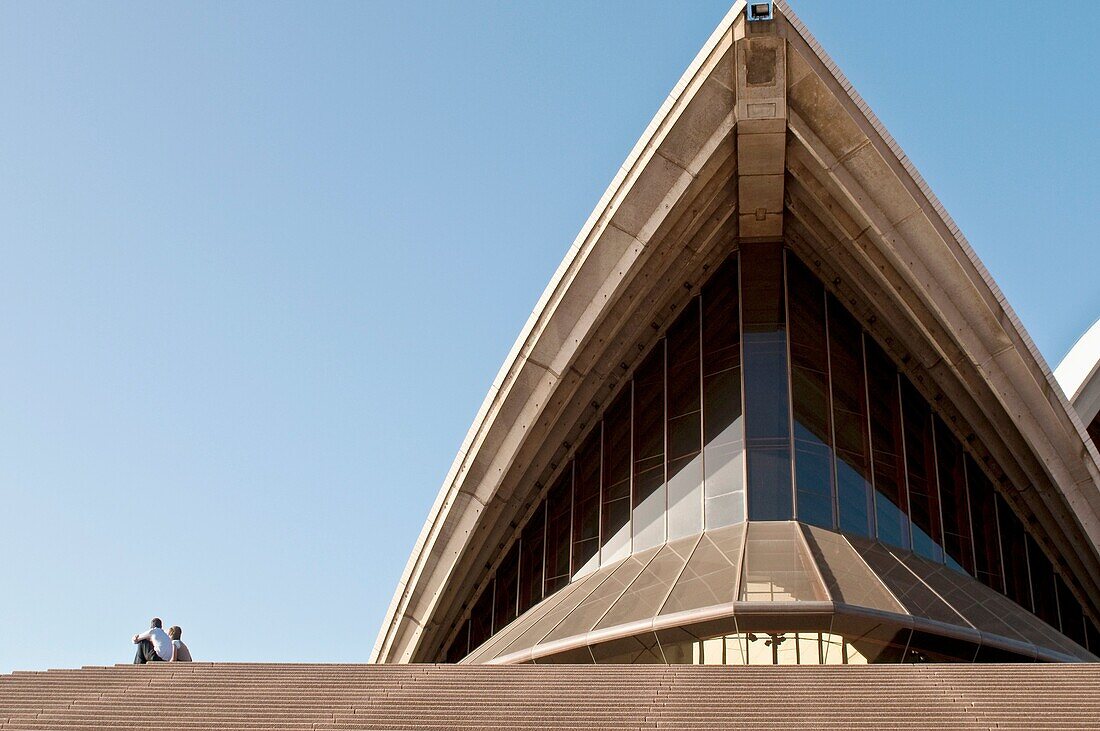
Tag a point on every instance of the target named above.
point(766, 400)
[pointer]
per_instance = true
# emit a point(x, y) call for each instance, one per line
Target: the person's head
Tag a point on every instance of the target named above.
point(174, 632)
point(155, 623)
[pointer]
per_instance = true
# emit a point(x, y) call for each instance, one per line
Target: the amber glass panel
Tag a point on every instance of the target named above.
point(532, 545)
point(813, 453)
point(887, 448)
point(723, 422)
point(776, 567)
point(586, 505)
point(649, 450)
point(853, 454)
point(1043, 589)
point(958, 544)
point(615, 517)
point(481, 618)
point(987, 538)
point(1069, 609)
point(1013, 535)
point(559, 504)
point(767, 400)
point(685, 441)
point(920, 463)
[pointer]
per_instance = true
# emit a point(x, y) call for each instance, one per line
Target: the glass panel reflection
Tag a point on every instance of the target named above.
point(1069, 610)
point(648, 502)
point(958, 545)
point(531, 548)
point(987, 538)
point(684, 427)
point(586, 506)
point(887, 448)
point(559, 504)
point(920, 466)
point(506, 601)
point(1043, 589)
point(594, 606)
point(1013, 535)
point(853, 455)
point(643, 598)
point(767, 401)
point(847, 577)
point(723, 422)
point(615, 520)
point(813, 439)
point(709, 579)
point(776, 567)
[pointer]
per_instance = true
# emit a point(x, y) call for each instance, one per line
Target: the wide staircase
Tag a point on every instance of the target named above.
point(262, 696)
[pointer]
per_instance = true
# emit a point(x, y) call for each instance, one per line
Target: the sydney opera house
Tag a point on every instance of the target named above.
point(771, 416)
point(771, 409)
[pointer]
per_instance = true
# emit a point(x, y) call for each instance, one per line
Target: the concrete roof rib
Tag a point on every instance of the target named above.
point(877, 229)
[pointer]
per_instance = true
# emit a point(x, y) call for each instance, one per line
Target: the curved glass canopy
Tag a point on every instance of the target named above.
point(776, 593)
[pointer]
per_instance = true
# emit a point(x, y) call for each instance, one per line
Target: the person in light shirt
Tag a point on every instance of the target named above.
point(180, 653)
point(153, 645)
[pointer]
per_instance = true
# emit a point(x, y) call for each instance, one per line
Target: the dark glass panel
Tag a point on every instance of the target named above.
point(813, 454)
point(1013, 535)
point(460, 646)
point(559, 505)
point(531, 548)
point(481, 618)
point(920, 464)
point(986, 653)
point(685, 441)
point(1092, 636)
point(767, 400)
point(887, 448)
point(586, 504)
point(649, 450)
point(987, 537)
point(928, 647)
point(958, 545)
point(853, 454)
point(1069, 609)
point(507, 591)
point(723, 425)
point(1094, 431)
point(1043, 589)
point(615, 519)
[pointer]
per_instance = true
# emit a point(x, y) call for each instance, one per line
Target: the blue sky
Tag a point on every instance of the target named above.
point(259, 263)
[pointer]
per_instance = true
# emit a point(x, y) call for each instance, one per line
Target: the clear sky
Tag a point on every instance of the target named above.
point(259, 263)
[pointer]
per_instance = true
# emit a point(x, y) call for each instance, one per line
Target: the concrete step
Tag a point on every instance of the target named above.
point(250, 697)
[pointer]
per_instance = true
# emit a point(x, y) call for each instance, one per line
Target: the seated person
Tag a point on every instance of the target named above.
point(153, 645)
point(180, 653)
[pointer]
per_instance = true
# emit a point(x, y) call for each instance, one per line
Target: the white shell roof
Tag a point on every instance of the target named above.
point(854, 197)
point(1079, 374)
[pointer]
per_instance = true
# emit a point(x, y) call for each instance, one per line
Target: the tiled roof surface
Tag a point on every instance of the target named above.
point(261, 696)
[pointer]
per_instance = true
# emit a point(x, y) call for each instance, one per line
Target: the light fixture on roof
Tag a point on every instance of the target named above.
point(758, 11)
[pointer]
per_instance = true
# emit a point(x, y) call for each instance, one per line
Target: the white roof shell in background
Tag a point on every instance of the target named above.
point(1079, 374)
